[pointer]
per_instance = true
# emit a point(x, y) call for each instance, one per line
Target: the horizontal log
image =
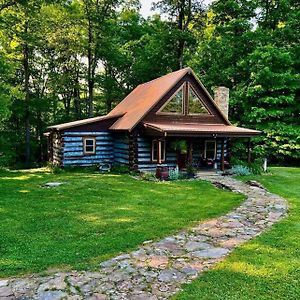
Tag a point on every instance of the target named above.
point(143, 144)
point(104, 143)
point(120, 160)
point(121, 146)
point(71, 149)
point(73, 139)
point(121, 140)
point(146, 154)
point(91, 163)
point(73, 154)
point(116, 157)
point(91, 157)
point(73, 143)
point(87, 133)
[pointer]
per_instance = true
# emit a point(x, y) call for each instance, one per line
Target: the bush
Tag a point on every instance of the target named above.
point(54, 169)
point(255, 167)
point(174, 174)
point(241, 170)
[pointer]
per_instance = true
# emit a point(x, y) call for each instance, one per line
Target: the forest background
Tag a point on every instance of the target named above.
point(64, 60)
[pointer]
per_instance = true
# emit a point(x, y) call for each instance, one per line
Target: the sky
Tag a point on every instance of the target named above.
point(147, 4)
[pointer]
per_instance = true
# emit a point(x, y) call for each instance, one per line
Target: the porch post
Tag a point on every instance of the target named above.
point(190, 154)
point(249, 151)
point(222, 156)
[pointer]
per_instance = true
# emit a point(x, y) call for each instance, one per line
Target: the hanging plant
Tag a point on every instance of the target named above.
point(180, 146)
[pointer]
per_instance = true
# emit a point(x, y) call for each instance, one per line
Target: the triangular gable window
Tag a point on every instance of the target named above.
point(195, 105)
point(175, 104)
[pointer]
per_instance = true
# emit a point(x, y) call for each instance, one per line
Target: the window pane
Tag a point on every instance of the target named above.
point(89, 146)
point(89, 142)
point(163, 148)
point(195, 104)
point(154, 150)
point(89, 149)
point(210, 150)
point(175, 104)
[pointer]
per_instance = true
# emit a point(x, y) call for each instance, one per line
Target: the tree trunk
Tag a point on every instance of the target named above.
point(27, 97)
point(181, 41)
point(91, 80)
point(76, 91)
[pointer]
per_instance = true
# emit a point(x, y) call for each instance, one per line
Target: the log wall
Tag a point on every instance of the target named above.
point(73, 152)
point(121, 149)
point(144, 162)
point(57, 149)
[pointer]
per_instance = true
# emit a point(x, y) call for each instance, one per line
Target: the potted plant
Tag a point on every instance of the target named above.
point(190, 171)
point(180, 146)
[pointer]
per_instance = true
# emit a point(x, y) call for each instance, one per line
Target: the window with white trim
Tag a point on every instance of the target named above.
point(89, 145)
point(158, 151)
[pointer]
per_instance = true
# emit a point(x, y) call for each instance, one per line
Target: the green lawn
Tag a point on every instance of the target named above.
point(267, 267)
point(93, 217)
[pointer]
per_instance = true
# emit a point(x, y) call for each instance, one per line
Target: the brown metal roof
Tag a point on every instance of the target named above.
point(140, 101)
point(201, 129)
point(144, 97)
point(82, 122)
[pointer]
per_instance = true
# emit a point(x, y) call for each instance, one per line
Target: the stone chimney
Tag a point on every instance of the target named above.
point(222, 99)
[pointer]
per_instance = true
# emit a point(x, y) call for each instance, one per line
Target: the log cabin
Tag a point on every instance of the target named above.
point(169, 121)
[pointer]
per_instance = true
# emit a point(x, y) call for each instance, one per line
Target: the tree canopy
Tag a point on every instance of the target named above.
point(67, 60)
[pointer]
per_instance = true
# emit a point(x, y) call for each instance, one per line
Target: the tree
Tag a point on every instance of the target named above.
point(182, 13)
point(96, 13)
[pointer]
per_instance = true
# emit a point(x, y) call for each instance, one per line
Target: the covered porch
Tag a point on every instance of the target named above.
point(201, 146)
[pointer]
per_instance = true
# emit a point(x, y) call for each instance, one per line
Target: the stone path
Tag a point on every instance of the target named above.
point(158, 269)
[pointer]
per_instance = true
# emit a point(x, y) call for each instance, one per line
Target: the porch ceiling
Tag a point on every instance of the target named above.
point(196, 129)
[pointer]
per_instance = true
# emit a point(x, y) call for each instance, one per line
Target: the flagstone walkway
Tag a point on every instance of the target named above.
point(158, 269)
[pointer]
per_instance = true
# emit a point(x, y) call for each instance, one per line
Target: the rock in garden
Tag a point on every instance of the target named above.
point(53, 184)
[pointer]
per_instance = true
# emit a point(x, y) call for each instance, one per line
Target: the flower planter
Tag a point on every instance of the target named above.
point(162, 172)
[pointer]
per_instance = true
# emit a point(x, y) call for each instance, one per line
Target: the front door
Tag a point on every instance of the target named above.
point(181, 160)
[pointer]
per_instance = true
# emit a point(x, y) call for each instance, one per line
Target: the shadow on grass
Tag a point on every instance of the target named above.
point(93, 217)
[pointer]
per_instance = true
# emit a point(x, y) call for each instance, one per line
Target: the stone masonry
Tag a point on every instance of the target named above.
point(157, 270)
point(221, 97)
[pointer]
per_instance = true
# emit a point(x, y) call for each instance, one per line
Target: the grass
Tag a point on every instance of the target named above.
point(267, 267)
point(93, 217)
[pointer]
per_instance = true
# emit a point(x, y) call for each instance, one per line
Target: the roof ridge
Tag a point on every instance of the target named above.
point(166, 75)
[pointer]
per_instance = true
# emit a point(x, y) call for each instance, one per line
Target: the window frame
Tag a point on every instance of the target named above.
point(161, 150)
point(215, 148)
point(85, 139)
point(161, 112)
point(189, 86)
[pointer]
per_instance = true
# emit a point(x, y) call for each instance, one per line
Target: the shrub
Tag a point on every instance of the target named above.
point(256, 168)
point(191, 170)
point(54, 169)
point(174, 174)
point(241, 170)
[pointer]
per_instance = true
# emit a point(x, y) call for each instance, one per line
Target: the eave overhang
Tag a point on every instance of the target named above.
point(199, 130)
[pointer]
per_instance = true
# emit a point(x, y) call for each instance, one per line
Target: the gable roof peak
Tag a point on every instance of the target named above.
point(144, 97)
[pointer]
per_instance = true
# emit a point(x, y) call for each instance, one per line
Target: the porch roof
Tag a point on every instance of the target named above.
point(197, 129)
